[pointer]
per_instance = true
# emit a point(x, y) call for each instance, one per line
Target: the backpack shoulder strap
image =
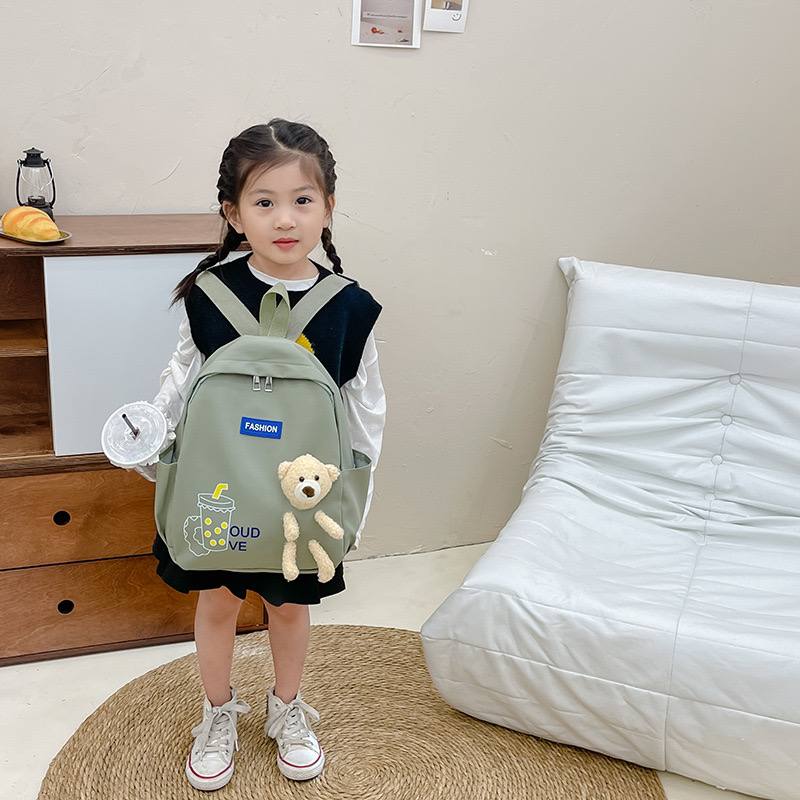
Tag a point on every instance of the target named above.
point(232, 308)
point(237, 313)
point(313, 301)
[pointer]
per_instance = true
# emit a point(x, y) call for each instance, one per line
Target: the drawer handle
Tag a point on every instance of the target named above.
point(65, 606)
point(61, 517)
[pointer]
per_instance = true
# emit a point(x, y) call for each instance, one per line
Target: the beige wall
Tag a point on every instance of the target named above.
point(661, 133)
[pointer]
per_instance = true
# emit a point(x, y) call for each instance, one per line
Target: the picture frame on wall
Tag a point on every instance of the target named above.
point(387, 23)
point(446, 16)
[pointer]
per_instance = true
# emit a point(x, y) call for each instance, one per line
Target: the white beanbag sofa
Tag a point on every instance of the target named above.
point(643, 600)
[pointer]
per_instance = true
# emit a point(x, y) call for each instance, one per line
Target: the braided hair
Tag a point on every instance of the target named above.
point(262, 147)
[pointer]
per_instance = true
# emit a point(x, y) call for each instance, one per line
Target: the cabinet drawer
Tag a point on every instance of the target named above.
point(76, 516)
point(101, 602)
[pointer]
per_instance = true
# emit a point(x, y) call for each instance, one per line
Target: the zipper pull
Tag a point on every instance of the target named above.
point(267, 383)
point(256, 383)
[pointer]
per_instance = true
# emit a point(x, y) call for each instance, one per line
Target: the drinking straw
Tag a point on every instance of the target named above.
point(128, 423)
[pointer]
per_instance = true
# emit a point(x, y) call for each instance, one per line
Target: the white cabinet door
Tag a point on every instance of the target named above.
point(110, 334)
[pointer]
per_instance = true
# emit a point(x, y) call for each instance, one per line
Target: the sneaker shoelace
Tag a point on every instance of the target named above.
point(217, 729)
point(291, 725)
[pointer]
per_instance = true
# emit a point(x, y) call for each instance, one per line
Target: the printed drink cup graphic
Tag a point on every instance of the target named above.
point(216, 512)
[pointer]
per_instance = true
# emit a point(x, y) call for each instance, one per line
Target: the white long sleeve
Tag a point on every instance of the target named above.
point(179, 374)
point(176, 379)
point(365, 407)
point(363, 399)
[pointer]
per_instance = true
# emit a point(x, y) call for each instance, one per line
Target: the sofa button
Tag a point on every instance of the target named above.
point(717, 459)
point(736, 378)
point(726, 419)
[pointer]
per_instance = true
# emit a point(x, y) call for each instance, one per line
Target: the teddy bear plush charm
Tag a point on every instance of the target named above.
point(304, 482)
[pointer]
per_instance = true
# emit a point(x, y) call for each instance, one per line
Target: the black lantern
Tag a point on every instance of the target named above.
point(33, 171)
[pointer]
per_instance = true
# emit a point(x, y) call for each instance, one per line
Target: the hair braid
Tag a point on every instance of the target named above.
point(231, 241)
point(330, 251)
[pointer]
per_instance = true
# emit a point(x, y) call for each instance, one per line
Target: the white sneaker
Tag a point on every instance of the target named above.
point(209, 765)
point(300, 756)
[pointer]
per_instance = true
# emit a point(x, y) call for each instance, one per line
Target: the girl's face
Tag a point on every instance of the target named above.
point(281, 203)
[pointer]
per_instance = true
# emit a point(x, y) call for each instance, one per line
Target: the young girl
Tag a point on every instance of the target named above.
point(276, 190)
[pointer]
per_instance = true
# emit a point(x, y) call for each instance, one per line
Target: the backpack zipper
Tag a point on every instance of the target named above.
point(267, 383)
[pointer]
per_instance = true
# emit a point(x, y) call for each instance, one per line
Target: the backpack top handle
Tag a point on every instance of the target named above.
point(274, 318)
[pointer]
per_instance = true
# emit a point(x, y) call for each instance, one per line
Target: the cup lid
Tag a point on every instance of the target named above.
point(120, 444)
point(222, 504)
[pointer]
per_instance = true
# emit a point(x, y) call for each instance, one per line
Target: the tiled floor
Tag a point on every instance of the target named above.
point(44, 702)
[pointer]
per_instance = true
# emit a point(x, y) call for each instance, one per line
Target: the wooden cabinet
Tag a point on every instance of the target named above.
point(85, 327)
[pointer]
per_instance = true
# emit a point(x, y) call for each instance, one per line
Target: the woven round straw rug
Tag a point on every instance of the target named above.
point(386, 733)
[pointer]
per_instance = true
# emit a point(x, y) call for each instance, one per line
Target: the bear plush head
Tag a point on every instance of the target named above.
point(306, 480)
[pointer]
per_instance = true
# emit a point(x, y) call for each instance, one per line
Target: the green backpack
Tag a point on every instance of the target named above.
point(262, 476)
